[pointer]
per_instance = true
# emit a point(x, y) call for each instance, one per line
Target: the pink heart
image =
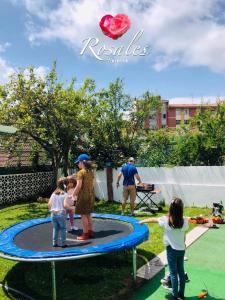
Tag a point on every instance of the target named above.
point(115, 27)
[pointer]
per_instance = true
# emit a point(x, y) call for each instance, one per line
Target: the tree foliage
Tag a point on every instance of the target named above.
point(108, 124)
point(46, 111)
point(155, 149)
point(117, 123)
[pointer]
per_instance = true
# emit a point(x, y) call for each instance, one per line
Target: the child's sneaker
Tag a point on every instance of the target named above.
point(166, 279)
point(171, 297)
point(167, 286)
point(74, 228)
point(83, 237)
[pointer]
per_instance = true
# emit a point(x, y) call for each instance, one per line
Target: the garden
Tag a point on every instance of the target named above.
point(101, 277)
point(58, 121)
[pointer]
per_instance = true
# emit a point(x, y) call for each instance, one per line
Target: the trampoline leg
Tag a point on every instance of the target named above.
point(135, 263)
point(53, 281)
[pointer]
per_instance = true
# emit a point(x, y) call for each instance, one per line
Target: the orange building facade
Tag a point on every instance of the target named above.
point(173, 115)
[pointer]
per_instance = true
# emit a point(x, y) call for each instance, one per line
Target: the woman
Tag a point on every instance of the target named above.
point(84, 193)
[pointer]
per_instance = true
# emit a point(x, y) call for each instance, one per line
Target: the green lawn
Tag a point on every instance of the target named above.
point(103, 277)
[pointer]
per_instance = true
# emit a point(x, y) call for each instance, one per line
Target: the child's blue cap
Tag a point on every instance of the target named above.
point(81, 157)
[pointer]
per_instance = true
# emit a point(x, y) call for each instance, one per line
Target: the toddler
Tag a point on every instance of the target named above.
point(58, 213)
point(70, 200)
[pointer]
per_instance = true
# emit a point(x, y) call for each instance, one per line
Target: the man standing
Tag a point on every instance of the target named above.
point(129, 173)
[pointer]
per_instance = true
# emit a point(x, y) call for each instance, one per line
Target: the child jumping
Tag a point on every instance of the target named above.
point(58, 213)
point(70, 200)
point(175, 226)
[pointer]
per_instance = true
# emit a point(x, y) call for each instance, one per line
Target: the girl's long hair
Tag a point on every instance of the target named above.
point(61, 183)
point(176, 209)
point(89, 165)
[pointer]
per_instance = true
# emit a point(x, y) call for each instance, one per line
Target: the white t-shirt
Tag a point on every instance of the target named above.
point(174, 237)
point(57, 202)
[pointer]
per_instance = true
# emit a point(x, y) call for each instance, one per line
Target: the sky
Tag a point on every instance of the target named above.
point(185, 61)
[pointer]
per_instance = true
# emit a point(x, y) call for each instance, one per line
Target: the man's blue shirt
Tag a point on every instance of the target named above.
point(129, 171)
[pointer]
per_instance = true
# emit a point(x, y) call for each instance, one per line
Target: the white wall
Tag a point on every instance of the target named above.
point(199, 186)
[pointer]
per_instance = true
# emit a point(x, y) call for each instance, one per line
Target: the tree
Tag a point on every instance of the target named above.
point(203, 143)
point(187, 149)
point(50, 114)
point(105, 137)
point(211, 126)
point(155, 149)
point(116, 123)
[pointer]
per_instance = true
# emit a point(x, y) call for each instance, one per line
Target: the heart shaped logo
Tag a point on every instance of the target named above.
point(115, 27)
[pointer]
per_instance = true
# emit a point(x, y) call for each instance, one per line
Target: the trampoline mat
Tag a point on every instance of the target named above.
point(39, 237)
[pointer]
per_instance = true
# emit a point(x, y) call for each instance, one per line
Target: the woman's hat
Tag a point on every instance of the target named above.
point(82, 157)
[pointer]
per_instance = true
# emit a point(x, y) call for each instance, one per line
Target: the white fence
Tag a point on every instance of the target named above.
point(198, 186)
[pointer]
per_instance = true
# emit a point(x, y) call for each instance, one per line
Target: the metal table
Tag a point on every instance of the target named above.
point(146, 202)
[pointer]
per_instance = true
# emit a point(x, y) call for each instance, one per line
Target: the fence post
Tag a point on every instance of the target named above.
point(109, 176)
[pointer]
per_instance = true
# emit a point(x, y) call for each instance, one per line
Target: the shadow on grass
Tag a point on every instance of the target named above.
point(149, 287)
point(102, 277)
point(16, 280)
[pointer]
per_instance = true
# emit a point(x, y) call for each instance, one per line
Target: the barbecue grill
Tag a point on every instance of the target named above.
point(145, 192)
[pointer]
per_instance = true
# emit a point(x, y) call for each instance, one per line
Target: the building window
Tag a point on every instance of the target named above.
point(186, 121)
point(178, 112)
point(163, 126)
point(178, 122)
point(186, 112)
point(164, 116)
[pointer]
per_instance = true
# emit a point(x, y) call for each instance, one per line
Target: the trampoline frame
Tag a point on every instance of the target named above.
point(53, 260)
point(53, 263)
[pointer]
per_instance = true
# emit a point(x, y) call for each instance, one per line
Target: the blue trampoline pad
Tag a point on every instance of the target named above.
point(33, 238)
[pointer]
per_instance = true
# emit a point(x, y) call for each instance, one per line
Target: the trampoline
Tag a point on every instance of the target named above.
point(31, 241)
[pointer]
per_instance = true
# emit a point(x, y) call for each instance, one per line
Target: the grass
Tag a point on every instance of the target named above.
point(102, 277)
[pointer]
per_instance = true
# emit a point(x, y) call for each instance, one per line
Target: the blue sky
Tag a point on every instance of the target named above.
point(187, 40)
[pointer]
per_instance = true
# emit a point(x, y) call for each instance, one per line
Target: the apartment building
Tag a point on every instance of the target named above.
point(158, 119)
point(173, 115)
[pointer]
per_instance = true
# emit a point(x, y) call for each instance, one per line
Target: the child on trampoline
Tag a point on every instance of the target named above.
point(70, 200)
point(56, 206)
point(174, 226)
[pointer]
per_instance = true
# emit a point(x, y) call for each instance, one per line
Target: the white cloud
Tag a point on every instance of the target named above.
point(4, 46)
point(187, 32)
point(5, 70)
point(35, 7)
point(40, 72)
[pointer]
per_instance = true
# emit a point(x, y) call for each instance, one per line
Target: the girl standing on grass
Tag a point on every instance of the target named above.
point(56, 206)
point(174, 226)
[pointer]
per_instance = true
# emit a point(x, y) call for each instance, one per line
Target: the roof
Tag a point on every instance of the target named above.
point(193, 105)
point(23, 158)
